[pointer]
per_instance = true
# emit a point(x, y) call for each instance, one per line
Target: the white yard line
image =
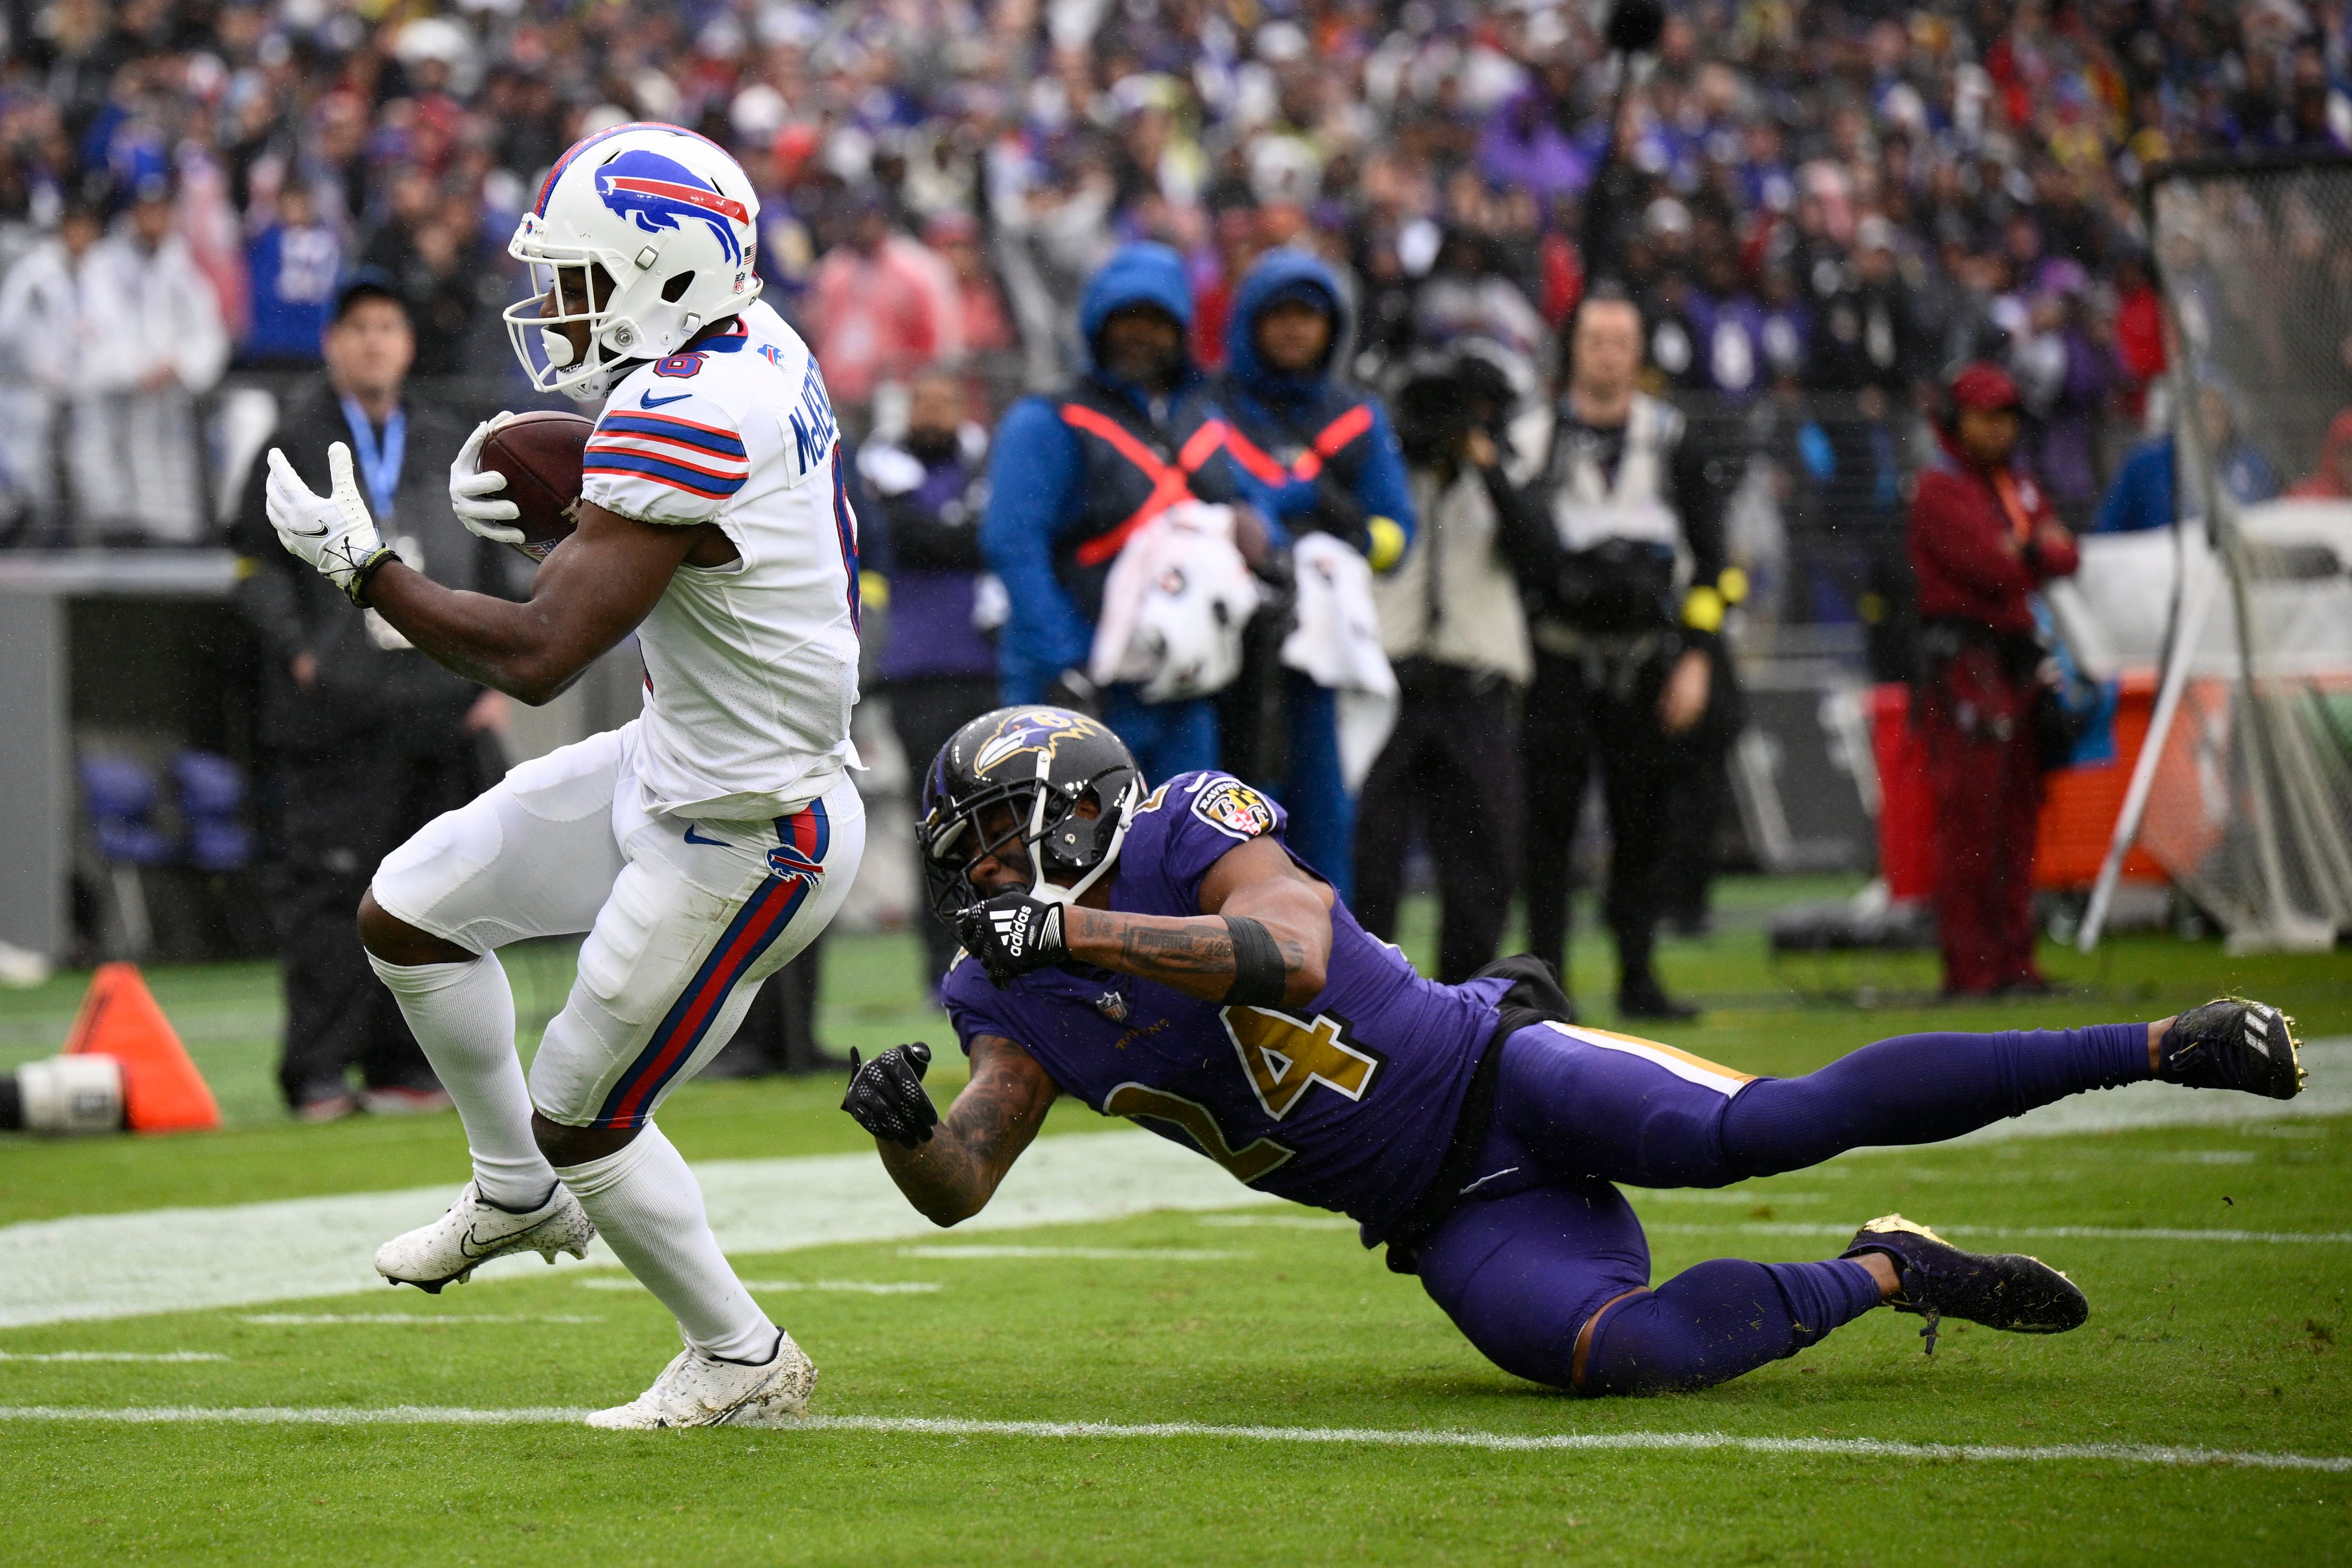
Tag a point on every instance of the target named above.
point(111, 1356)
point(163, 1260)
point(1369, 1436)
point(851, 1287)
point(1100, 1254)
point(306, 1319)
point(2034, 1232)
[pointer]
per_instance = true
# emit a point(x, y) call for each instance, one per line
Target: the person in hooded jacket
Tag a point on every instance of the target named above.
point(1327, 457)
point(1075, 475)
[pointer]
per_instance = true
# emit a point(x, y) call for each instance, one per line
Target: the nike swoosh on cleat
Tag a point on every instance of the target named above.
point(648, 400)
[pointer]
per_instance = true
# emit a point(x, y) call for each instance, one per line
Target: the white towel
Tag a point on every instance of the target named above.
point(1337, 645)
point(1174, 606)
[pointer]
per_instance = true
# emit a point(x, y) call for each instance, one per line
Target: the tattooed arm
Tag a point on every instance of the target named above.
point(952, 1175)
point(1195, 954)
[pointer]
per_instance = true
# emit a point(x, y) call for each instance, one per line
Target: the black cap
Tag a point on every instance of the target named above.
point(364, 283)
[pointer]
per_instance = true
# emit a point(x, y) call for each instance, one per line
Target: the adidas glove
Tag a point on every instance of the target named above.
point(333, 533)
point(1013, 935)
point(474, 491)
point(886, 1097)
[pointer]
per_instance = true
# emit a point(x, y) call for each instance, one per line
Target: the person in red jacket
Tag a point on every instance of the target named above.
point(1983, 538)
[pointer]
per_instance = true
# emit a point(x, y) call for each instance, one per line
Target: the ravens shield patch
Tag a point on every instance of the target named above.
point(1232, 807)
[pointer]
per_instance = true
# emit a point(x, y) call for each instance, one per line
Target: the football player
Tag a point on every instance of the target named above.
point(1161, 956)
point(698, 846)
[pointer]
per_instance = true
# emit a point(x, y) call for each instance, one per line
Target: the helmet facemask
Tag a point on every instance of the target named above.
point(581, 289)
point(1045, 820)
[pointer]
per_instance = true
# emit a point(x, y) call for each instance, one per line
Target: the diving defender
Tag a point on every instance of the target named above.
point(1159, 954)
point(698, 846)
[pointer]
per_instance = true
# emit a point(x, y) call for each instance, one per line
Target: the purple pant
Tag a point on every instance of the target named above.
point(1543, 1240)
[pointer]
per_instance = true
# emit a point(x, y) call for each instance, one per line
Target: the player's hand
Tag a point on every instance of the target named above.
point(331, 532)
point(474, 491)
point(1013, 935)
point(887, 1096)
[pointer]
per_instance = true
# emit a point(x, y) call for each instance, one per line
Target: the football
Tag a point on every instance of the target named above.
point(539, 454)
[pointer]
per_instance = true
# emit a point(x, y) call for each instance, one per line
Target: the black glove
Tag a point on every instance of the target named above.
point(885, 1095)
point(1012, 935)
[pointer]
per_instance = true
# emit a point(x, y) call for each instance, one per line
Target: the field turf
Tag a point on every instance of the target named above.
point(1269, 1325)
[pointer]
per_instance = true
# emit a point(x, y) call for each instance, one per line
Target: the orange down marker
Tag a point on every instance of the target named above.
point(162, 1090)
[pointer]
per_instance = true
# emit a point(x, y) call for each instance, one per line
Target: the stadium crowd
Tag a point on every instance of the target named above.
point(1835, 199)
point(1819, 212)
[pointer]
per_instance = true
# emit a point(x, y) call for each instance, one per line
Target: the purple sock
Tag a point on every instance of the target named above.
point(1922, 1089)
point(1714, 1321)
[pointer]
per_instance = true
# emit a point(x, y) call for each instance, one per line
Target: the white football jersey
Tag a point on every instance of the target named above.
point(750, 667)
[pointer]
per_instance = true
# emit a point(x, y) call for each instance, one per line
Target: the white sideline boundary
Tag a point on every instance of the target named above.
point(94, 1267)
point(2028, 1232)
point(1364, 1437)
point(112, 1355)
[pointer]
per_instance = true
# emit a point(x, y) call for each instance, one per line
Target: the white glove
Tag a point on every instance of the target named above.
point(471, 486)
point(333, 533)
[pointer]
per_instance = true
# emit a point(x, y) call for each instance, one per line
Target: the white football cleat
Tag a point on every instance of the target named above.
point(474, 1231)
point(695, 1390)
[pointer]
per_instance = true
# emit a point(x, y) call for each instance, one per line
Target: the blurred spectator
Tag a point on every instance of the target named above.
point(2146, 492)
point(1326, 454)
point(2065, 378)
point(939, 665)
point(367, 739)
point(1073, 476)
point(882, 306)
point(2331, 479)
point(143, 337)
point(294, 265)
point(46, 332)
point(1623, 660)
point(985, 326)
point(1983, 538)
point(1452, 623)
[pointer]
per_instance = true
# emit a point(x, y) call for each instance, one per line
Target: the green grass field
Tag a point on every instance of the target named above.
point(1261, 1318)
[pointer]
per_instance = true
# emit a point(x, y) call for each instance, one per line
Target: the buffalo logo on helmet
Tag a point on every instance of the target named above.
point(657, 193)
point(1029, 731)
point(1232, 807)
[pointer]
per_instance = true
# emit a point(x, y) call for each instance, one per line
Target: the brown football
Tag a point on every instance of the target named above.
point(540, 455)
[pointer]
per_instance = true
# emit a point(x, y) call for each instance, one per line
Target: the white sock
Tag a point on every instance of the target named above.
point(648, 1208)
point(463, 1015)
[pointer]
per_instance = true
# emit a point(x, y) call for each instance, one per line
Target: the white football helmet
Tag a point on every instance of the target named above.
point(670, 221)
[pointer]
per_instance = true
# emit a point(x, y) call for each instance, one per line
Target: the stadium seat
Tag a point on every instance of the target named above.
point(212, 794)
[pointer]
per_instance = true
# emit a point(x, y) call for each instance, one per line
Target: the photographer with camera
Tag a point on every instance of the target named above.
point(1453, 625)
point(1624, 636)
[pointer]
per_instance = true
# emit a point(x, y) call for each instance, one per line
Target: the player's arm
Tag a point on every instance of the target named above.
point(593, 590)
point(1204, 955)
point(1263, 938)
point(950, 1168)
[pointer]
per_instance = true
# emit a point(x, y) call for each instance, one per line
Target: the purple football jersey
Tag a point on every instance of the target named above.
point(1347, 1102)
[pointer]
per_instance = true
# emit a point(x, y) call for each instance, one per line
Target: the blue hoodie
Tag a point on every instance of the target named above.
point(1275, 410)
point(1035, 496)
